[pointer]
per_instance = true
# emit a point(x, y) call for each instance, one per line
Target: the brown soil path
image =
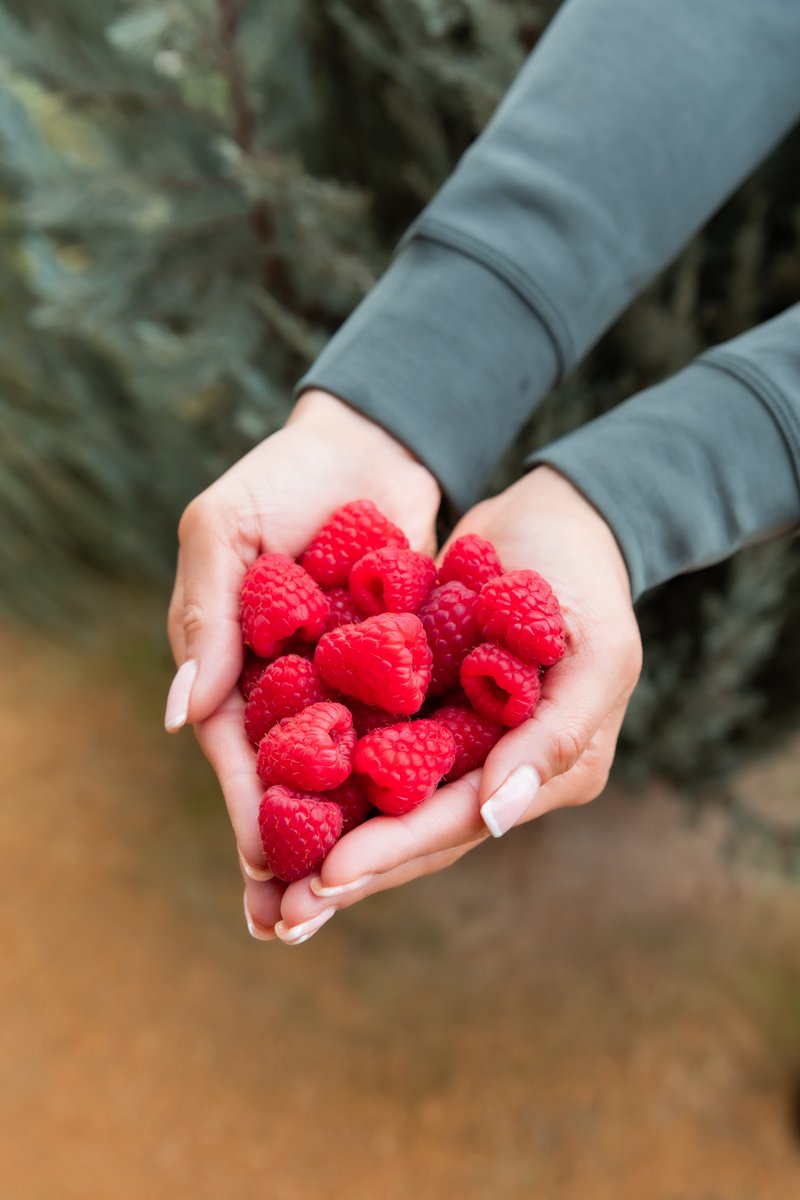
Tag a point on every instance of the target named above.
point(596, 1009)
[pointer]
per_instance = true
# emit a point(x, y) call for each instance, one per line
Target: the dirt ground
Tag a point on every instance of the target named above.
point(599, 1007)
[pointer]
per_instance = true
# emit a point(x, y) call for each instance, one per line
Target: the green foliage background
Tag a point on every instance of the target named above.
point(195, 193)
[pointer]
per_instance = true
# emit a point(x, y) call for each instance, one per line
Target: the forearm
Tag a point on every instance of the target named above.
point(629, 125)
point(689, 471)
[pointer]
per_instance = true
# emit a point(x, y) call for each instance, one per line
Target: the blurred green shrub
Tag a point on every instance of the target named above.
point(195, 193)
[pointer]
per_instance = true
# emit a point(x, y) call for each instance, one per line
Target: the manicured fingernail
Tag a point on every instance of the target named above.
point(315, 883)
point(178, 698)
point(295, 934)
point(260, 874)
point(505, 806)
point(260, 932)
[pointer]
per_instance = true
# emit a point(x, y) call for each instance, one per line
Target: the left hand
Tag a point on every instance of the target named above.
point(274, 499)
point(558, 758)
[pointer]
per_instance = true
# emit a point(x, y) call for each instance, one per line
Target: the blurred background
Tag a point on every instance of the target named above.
point(193, 196)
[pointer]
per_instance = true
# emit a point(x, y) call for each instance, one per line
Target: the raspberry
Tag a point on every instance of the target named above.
point(351, 532)
point(401, 766)
point(384, 662)
point(392, 580)
point(254, 667)
point(471, 560)
point(499, 685)
point(278, 600)
point(474, 734)
point(365, 718)
point(520, 610)
point(342, 609)
point(297, 831)
point(353, 801)
point(286, 687)
point(448, 618)
point(311, 750)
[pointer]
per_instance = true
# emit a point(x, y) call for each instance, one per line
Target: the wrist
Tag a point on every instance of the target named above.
point(325, 415)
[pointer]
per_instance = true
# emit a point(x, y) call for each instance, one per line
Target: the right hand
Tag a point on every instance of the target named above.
point(274, 499)
point(560, 757)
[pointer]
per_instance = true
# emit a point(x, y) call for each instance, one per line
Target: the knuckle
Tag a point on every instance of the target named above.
point(192, 620)
point(568, 745)
point(626, 647)
point(596, 785)
point(633, 654)
point(594, 771)
point(174, 614)
point(193, 517)
point(625, 650)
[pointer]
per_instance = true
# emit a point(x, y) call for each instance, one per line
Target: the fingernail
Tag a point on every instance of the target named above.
point(295, 934)
point(315, 883)
point(178, 698)
point(505, 806)
point(260, 932)
point(258, 873)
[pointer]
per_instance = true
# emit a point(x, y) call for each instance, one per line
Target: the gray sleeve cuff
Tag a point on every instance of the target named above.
point(687, 472)
point(448, 357)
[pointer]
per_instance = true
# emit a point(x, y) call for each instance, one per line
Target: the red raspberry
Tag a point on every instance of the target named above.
point(353, 801)
point(365, 718)
point(402, 765)
point(297, 831)
point(342, 609)
point(499, 684)
point(471, 560)
point(385, 661)
point(392, 580)
point(448, 618)
point(475, 735)
point(520, 610)
point(311, 750)
point(254, 667)
point(351, 533)
point(278, 600)
point(286, 687)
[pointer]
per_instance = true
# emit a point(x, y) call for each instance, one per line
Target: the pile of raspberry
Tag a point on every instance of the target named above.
point(372, 678)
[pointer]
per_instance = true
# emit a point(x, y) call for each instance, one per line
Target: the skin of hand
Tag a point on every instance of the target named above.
point(560, 757)
point(273, 499)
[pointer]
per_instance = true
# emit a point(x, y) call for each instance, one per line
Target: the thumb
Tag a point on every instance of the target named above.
point(203, 621)
point(575, 702)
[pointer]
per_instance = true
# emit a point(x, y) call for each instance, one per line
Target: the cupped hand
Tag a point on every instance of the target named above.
point(274, 499)
point(560, 757)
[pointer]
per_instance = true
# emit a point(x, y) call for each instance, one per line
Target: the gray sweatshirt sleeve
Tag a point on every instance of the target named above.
point(628, 126)
point(705, 462)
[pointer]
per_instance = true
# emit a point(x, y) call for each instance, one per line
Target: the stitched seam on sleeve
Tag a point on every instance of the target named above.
point(498, 264)
point(765, 391)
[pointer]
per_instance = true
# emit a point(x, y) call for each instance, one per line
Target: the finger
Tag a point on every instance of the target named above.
point(302, 902)
point(448, 819)
point(205, 616)
point(301, 907)
point(225, 745)
point(578, 695)
point(586, 780)
point(262, 907)
point(452, 818)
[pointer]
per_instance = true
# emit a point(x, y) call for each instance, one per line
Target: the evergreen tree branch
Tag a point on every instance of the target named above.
point(276, 275)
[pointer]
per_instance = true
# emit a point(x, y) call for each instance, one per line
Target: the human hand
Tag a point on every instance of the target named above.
point(275, 499)
point(560, 757)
